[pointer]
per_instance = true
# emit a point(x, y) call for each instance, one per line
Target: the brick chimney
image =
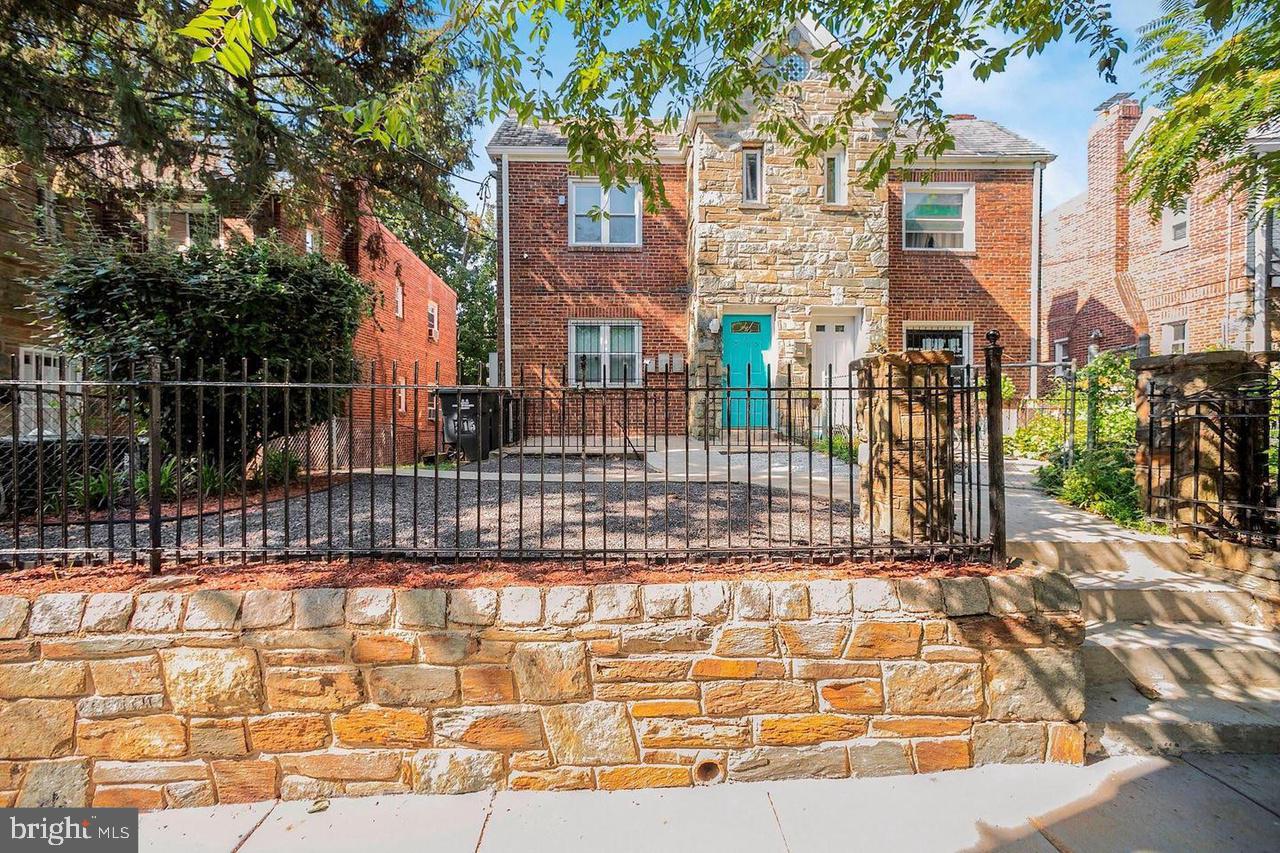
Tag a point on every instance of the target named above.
point(1108, 200)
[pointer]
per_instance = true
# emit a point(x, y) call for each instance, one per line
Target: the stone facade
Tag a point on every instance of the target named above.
point(906, 482)
point(164, 699)
point(791, 252)
point(1202, 471)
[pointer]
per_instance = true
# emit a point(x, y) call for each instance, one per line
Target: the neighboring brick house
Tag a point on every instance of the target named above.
point(1189, 279)
point(760, 262)
point(414, 314)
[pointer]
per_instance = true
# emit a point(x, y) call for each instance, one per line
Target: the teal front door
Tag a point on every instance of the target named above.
point(745, 337)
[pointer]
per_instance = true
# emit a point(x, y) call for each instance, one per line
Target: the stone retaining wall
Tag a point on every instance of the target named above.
point(166, 698)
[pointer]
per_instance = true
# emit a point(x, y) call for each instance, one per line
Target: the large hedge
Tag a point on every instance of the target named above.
point(259, 301)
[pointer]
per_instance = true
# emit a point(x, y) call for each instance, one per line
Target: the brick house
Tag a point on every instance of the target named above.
point(1189, 279)
point(414, 315)
point(759, 262)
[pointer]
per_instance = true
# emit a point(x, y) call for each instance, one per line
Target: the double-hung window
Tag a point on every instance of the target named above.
point(938, 216)
point(835, 178)
point(1061, 355)
point(604, 352)
point(603, 218)
point(752, 175)
point(399, 300)
point(433, 321)
point(1174, 227)
point(1175, 337)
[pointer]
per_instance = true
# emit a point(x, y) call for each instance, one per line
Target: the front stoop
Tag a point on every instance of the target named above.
point(1175, 661)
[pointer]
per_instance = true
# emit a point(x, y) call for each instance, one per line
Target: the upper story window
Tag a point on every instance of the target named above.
point(599, 218)
point(794, 67)
point(939, 216)
point(46, 214)
point(433, 321)
point(835, 177)
point(1175, 230)
point(1175, 337)
point(184, 226)
point(311, 240)
point(752, 175)
point(399, 300)
point(1061, 355)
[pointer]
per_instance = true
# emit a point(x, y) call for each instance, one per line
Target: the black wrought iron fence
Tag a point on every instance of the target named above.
point(1208, 461)
point(150, 463)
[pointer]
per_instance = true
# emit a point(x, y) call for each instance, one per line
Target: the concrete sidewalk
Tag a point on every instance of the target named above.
point(1222, 803)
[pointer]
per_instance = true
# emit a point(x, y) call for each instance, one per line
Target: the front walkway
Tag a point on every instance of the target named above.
point(1222, 803)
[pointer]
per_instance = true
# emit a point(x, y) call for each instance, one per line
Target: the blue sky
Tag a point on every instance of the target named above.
point(1048, 98)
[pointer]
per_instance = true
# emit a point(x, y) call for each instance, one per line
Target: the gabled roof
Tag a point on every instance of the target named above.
point(977, 137)
point(974, 137)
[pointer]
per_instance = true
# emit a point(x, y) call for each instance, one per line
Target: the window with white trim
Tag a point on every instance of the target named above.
point(46, 214)
point(752, 175)
point(1175, 226)
point(940, 336)
point(1175, 337)
point(402, 398)
point(600, 218)
point(835, 177)
point(433, 321)
point(186, 225)
point(311, 241)
point(1061, 355)
point(604, 352)
point(50, 367)
point(938, 216)
point(399, 300)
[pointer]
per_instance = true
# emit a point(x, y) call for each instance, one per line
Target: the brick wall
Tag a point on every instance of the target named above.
point(1106, 269)
point(553, 282)
point(21, 257)
point(990, 286)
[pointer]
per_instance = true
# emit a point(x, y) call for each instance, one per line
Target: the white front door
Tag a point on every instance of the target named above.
point(835, 345)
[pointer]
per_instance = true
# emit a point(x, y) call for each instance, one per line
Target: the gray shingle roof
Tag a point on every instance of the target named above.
point(512, 134)
point(974, 138)
point(977, 137)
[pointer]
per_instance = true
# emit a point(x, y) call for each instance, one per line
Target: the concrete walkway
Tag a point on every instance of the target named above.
point(1033, 516)
point(1222, 803)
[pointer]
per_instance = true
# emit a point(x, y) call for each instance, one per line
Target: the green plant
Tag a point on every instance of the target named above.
point(1101, 481)
point(260, 301)
point(98, 491)
point(1040, 437)
point(167, 481)
point(276, 464)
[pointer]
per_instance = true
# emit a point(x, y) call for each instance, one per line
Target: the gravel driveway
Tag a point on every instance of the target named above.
point(481, 515)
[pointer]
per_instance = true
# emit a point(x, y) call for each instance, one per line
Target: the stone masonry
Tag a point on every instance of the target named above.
point(1202, 471)
point(907, 478)
point(165, 699)
point(791, 252)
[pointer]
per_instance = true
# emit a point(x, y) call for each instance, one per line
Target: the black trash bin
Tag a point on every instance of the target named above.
point(471, 420)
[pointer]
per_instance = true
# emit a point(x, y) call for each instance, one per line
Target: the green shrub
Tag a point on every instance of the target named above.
point(1040, 437)
point(1102, 481)
point(98, 491)
point(276, 464)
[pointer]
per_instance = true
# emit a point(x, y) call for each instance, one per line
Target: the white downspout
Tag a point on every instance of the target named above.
point(506, 274)
point(1037, 203)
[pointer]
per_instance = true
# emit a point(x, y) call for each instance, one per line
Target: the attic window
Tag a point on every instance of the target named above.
point(794, 67)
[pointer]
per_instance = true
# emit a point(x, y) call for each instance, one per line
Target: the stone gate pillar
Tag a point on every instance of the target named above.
point(904, 424)
point(1202, 466)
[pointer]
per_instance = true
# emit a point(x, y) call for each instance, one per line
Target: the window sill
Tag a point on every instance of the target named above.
point(835, 208)
point(604, 247)
point(753, 205)
point(960, 253)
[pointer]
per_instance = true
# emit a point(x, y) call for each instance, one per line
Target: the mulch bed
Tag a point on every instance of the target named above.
point(195, 506)
point(119, 577)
